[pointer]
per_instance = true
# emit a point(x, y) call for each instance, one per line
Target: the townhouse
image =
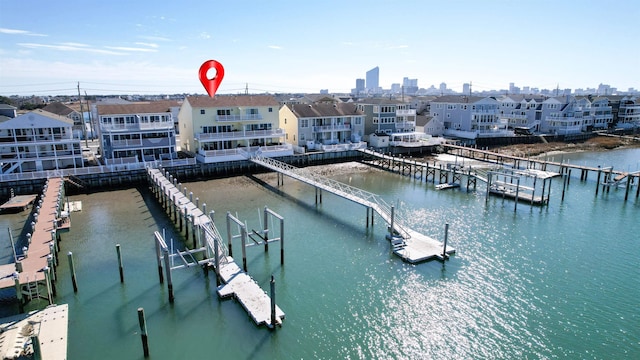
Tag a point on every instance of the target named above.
point(323, 126)
point(469, 117)
point(79, 127)
point(137, 132)
point(38, 141)
point(231, 127)
point(629, 112)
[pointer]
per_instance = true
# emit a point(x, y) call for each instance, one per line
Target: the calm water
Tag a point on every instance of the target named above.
point(558, 281)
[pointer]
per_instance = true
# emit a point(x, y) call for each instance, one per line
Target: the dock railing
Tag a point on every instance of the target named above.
point(347, 191)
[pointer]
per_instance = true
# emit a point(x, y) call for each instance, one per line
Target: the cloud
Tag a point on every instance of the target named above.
point(205, 35)
point(153, 38)
point(19, 32)
point(275, 47)
point(67, 47)
point(125, 48)
point(151, 45)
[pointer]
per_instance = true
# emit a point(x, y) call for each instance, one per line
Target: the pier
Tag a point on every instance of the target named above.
point(208, 251)
point(35, 266)
point(408, 244)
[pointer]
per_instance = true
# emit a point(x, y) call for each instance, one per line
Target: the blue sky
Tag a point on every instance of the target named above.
point(150, 47)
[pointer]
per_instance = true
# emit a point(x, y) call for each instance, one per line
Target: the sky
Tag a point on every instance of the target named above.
point(157, 47)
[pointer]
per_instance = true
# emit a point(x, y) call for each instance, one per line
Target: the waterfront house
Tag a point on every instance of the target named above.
point(564, 115)
point(58, 108)
point(38, 141)
point(602, 113)
point(469, 117)
point(522, 111)
point(231, 127)
point(323, 126)
point(629, 112)
point(392, 117)
point(137, 132)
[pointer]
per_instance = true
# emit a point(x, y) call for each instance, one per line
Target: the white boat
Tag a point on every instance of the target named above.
point(445, 186)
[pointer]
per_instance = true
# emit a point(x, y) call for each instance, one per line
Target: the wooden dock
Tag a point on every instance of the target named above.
point(237, 283)
point(420, 247)
point(39, 249)
point(18, 203)
point(48, 326)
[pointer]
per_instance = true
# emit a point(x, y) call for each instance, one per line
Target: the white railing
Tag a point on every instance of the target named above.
point(407, 112)
point(126, 143)
point(161, 125)
point(241, 134)
point(343, 147)
point(95, 169)
point(239, 117)
point(324, 128)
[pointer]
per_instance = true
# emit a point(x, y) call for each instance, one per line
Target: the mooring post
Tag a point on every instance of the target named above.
point(626, 192)
point(392, 220)
point(167, 268)
point(51, 278)
point(143, 332)
point(265, 228)
point(72, 269)
point(216, 260)
point(243, 238)
point(273, 303)
point(120, 268)
point(16, 278)
point(515, 206)
point(158, 258)
point(446, 236)
point(229, 236)
point(598, 180)
point(47, 280)
point(564, 184)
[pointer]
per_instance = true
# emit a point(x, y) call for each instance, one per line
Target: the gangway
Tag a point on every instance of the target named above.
point(408, 244)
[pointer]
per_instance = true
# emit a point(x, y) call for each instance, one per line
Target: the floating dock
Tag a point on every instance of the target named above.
point(47, 329)
point(18, 203)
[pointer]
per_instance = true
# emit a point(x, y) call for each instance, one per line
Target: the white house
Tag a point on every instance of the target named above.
point(231, 127)
point(38, 141)
point(137, 132)
point(469, 117)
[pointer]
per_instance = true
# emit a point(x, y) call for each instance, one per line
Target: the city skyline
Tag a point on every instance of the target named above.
point(296, 47)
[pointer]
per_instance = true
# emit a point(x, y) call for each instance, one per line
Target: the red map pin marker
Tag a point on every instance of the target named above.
point(211, 85)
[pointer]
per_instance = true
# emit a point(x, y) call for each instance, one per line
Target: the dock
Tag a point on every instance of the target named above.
point(46, 328)
point(18, 203)
point(413, 247)
point(236, 283)
point(30, 266)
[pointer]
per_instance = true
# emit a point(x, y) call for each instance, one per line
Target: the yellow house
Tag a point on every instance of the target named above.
point(231, 127)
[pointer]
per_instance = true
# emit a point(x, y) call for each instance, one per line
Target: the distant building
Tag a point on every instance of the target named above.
point(629, 112)
point(359, 87)
point(227, 128)
point(326, 127)
point(466, 89)
point(410, 86)
point(391, 117)
point(58, 108)
point(137, 132)
point(38, 141)
point(373, 81)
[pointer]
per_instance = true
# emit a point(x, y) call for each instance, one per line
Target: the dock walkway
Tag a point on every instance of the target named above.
point(236, 282)
point(41, 238)
point(417, 247)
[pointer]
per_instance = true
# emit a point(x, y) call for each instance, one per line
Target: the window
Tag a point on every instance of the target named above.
point(304, 123)
point(222, 112)
point(270, 109)
point(358, 121)
point(201, 111)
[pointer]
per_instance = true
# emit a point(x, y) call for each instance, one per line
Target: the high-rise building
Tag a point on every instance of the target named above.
point(359, 86)
point(443, 88)
point(466, 89)
point(373, 80)
point(410, 86)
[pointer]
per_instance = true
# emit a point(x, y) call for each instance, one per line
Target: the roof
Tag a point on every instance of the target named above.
point(221, 101)
point(380, 101)
point(152, 107)
point(58, 108)
point(329, 110)
point(7, 106)
point(36, 119)
point(457, 99)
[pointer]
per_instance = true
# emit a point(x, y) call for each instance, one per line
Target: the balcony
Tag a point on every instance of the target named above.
point(243, 153)
point(162, 125)
point(402, 125)
point(240, 135)
point(407, 112)
point(244, 117)
point(330, 128)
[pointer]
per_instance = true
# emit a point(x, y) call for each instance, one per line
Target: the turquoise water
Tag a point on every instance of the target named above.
point(542, 282)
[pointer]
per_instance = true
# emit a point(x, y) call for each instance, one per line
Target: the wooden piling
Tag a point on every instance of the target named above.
point(143, 332)
point(158, 259)
point(626, 191)
point(72, 269)
point(16, 278)
point(167, 268)
point(120, 268)
point(47, 280)
point(35, 344)
point(273, 303)
point(446, 236)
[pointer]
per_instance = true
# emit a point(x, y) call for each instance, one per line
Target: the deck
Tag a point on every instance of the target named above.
point(18, 203)
point(420, 247)
point(50, 324)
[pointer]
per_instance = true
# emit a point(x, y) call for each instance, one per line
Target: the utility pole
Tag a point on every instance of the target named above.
point(470, 85)
point(84, 128)
point(246, 89)
point(91, 124)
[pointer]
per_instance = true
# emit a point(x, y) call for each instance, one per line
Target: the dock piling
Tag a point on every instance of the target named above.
point(273, 303)
point(16, 278)
point(143, 332)
point(167, 266)
point(120, 268)
point(72, 269)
